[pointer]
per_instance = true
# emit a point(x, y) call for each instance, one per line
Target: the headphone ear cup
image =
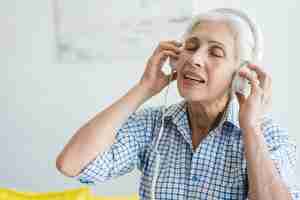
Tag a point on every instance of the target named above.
point(242, 85)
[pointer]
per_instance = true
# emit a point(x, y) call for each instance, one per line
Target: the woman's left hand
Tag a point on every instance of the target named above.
point(258, 103)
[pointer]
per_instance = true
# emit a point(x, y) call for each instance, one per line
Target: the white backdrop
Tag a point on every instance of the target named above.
point(43, 102)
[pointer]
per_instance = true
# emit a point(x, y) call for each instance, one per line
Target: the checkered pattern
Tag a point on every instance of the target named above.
point(215, 170)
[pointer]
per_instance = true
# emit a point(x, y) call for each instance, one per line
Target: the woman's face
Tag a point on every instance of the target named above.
point(207, 64)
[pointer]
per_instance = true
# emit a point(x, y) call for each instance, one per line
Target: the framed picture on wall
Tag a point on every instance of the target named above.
point(89, 31)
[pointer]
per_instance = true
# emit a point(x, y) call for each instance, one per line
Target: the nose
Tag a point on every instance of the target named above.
point(198, 59)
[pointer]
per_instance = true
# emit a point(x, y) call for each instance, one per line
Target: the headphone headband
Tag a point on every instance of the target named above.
point(255, 30)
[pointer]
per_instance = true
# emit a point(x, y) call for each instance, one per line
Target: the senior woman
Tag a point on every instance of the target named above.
point(216, 144)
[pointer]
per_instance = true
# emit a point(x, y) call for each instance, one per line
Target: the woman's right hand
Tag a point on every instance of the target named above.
point(154, 79)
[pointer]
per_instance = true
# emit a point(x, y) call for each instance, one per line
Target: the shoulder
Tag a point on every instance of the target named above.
point(275, 134)
point(272, 129)
point(156, 112)
point(147, 113)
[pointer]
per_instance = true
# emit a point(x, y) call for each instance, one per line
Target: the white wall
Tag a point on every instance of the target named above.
point(42, 103)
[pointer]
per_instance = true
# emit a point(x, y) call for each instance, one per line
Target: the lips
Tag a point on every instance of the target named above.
point(188, 75)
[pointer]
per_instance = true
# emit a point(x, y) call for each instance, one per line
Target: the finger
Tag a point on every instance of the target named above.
point(241, 98)
point(266, 85)
point(261, 74)
point(253, 81)
point(176, 43)
point(169, 46)
point(162, 56)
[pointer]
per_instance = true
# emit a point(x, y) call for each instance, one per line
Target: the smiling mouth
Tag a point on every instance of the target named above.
point(194, 79)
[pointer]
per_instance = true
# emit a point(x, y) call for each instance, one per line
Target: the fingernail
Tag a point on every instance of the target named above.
point(179, 44)
point(252, 65)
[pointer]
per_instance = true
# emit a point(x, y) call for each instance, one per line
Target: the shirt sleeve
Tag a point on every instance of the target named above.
point(283, 152)
point(126, 153)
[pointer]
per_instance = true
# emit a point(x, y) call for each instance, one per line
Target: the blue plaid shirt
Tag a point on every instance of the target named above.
point(216, 169)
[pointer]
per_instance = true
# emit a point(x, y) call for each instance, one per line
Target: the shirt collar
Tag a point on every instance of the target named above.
point(231, 114)
point(178, 114)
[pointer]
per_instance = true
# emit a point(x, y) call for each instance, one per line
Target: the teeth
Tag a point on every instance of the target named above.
point(193, 78)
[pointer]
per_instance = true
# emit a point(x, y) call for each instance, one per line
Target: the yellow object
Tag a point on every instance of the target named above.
point(83, 193)
point(132, 197)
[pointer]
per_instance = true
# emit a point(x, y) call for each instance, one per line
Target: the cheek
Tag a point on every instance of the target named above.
point(219, 80)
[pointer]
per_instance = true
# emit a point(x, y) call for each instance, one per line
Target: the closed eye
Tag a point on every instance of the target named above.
point(217, 52)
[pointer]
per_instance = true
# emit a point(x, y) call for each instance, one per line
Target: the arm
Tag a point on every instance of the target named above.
point(264, 180)
point(98, 134)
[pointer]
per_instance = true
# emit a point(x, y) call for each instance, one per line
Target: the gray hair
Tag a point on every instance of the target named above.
point(249, 44)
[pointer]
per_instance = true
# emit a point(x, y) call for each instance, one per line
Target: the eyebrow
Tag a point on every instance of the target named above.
point(209, 41)
point(217, 42)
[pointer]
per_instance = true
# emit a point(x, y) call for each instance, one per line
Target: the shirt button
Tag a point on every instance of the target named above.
point(195, 178)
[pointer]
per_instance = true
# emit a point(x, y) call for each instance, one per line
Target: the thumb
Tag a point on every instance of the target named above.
point(241, 98)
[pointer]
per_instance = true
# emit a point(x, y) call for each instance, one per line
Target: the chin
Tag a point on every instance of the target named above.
point(198, 95)
point(193, 94)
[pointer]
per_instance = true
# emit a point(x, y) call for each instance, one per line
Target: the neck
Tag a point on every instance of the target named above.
point(204, 117)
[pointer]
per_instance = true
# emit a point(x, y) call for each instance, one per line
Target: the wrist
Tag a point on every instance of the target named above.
point(250, 125)
point(252, 129)
point(143, 91)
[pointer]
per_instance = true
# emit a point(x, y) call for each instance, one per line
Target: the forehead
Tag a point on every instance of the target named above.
point(214, 31)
